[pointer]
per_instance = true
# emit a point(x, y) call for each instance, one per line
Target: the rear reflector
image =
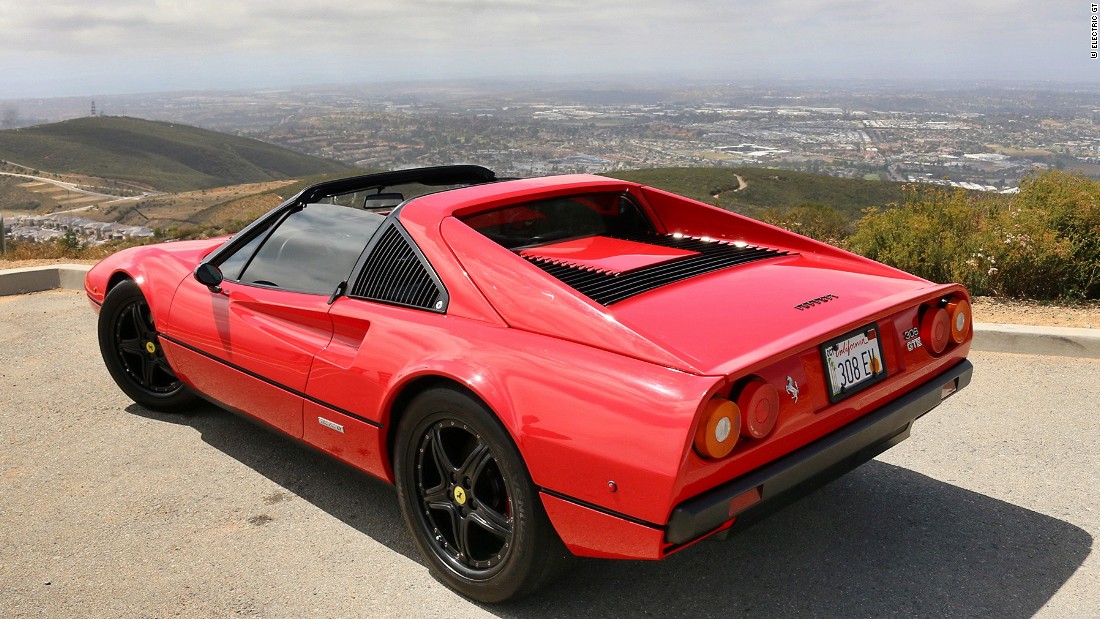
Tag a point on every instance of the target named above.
point(744, 501)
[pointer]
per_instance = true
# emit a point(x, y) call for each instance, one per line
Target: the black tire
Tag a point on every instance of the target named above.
point(130, 346)
point(467, 499)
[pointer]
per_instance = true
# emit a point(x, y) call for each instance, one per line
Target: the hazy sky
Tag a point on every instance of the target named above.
point(88, 47)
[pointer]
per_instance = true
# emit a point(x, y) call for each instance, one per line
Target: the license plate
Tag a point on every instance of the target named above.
point(853, 362)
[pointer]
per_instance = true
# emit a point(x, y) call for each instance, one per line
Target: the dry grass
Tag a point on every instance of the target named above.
point(1012, 311)
point(58, 252)
point(40, 262)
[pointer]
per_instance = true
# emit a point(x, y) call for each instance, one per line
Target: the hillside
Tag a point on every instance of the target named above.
point(765, 189)
point(163, 156)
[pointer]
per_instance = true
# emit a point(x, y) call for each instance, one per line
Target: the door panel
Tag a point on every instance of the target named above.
point(269, 336)
point(372, 343)
point(349, 438)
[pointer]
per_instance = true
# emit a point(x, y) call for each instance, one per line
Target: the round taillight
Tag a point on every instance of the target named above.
point(759, 404)
point(959, 312)
point(718, 431)
point(935, 329)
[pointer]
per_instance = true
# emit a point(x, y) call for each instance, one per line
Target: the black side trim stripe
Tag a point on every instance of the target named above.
point(304, 396)
point(602, 510)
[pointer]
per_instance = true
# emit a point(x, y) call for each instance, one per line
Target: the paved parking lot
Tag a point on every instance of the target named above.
point(991, 509)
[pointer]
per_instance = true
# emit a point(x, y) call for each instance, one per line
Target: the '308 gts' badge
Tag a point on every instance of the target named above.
point(792, 388)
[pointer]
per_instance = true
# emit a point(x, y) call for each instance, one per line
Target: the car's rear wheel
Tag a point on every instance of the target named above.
point(131, 349)
point(468, 500)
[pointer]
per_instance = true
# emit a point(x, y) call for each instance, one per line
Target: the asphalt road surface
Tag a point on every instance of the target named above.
point(990, 509)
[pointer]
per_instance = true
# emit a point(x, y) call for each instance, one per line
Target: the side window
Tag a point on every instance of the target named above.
point(233, 265)
point(312, 250)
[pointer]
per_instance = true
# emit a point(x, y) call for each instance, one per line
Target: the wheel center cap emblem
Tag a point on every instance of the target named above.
point(460, 495)
point(150, 347)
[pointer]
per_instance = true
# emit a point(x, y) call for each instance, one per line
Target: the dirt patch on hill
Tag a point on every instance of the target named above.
point(1010, 311)
point(40, 262)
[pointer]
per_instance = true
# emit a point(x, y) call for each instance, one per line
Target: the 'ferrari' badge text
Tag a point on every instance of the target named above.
point(792, 388)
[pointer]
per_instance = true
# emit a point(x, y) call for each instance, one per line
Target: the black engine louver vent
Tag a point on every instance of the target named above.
point(608, 288)
point(394, 273)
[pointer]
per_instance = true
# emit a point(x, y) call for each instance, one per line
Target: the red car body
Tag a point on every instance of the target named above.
point(602, 400)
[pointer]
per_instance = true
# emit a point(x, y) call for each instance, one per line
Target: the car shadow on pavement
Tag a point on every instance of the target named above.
point(357, 499)
point(883, 540)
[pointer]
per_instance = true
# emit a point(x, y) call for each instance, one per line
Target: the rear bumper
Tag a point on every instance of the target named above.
point(771, 487)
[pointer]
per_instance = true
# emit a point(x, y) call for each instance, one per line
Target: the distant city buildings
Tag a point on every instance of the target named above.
point(985, 137)
point(47, 228)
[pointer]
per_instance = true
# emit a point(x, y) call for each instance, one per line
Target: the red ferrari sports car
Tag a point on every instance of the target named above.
point(544, 367)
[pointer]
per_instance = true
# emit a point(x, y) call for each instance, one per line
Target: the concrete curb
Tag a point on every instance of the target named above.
point(1051, 341)
point(37, 279)
point(1027, 339)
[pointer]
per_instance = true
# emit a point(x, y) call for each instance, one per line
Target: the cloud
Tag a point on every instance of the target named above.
point(65, 39)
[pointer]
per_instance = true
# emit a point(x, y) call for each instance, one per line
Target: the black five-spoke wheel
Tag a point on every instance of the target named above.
point(139, 349)
point(469, 502)
point(132, 352)
point(463, 498)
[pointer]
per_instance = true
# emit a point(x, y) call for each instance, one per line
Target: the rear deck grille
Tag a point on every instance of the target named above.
point(607, 288)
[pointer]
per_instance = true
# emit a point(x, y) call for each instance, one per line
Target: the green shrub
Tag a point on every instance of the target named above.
point(1043, 243)
point(1065, 209)
point(817, 221)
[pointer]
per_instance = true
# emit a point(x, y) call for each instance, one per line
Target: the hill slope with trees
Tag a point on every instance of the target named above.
point(753, 191)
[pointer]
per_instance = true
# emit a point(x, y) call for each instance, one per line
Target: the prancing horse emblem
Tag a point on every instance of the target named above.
point(792, 388)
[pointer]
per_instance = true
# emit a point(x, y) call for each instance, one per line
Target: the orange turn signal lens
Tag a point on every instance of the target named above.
point(718, 430)
point(959, 311)
point(935, 329)
point(759, 404)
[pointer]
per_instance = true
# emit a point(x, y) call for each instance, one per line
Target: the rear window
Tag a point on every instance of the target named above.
point(545, 221)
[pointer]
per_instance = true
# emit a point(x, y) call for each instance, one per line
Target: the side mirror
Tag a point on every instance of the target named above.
point(210, 276)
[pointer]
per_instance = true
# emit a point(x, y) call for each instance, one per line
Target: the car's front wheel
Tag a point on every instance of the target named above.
point(468, 500)
point(131, 349)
